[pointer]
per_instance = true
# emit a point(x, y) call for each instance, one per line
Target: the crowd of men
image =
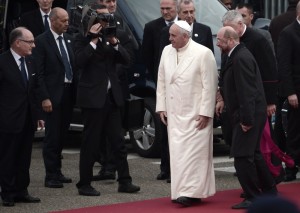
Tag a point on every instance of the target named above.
point(46, 71)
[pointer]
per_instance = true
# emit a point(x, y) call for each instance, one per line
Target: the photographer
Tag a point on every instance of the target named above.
point(100, 97)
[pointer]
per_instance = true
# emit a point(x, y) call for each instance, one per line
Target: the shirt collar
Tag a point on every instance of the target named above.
point(15, 55)
point(232, 50)
point(56, 35)
point(167, 22)
point(43, 13)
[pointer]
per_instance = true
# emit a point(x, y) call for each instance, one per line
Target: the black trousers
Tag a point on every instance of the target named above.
point(254, 175)
point(165, 153)
point(106, 120)
point(15, 158)
point(57, 124)
point(293, 133)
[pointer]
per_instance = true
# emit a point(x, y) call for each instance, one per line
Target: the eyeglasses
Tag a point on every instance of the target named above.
point(30, 42)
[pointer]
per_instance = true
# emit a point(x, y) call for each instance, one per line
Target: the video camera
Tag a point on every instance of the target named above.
point(90, 17)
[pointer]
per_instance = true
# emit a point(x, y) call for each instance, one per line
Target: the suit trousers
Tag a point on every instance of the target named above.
point(293, 133)
point(165, 153)
point(15, 158)
point(254, 175)
point(57, 124)
point(99, 121)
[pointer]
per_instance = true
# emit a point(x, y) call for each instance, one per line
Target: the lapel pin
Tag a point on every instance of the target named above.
point(69, 41)
point(118, 22)
point(196, 35)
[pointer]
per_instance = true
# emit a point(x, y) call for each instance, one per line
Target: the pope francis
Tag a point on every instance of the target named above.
point(186, 96)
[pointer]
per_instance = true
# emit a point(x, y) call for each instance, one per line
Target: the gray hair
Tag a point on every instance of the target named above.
point(232, 16)
point(15, 34)
point(186, 2)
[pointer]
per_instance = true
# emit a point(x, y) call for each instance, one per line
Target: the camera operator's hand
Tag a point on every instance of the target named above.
point(95, 30)
point(113, 40)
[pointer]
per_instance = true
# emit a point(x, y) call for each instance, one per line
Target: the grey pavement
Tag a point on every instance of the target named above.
point(143, 172)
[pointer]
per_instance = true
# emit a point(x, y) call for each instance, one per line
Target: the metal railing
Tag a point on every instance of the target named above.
point(274, 7)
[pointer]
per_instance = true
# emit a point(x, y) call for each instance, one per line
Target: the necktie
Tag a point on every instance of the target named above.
point(65, 59)
point(46, 23)
point(23, 71)
point(170, 23)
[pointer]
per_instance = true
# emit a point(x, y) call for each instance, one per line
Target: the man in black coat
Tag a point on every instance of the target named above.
point(243, 93)
point(288, 53)
point(128, 41)
point(100, 97)
point(18, 117)
point(37, 21)
point(276, 26)
point(57, 80)
point(151, 55)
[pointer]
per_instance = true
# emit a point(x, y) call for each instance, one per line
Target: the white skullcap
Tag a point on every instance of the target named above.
point(184, 25)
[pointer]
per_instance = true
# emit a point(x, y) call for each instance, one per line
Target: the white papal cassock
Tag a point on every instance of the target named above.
point(186, 87)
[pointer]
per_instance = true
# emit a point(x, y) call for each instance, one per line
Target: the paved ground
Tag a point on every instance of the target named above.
point(143, 172)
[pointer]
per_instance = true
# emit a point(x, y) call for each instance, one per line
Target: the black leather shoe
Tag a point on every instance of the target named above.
point(185, 201)
point(64, 179)
point(27, 199)
point(128, 188)
point(88, 190)
point(104, 175)
point(8, 202)
point(162, 176)
point(53, 184)
point(243, 205)
point(168, 180)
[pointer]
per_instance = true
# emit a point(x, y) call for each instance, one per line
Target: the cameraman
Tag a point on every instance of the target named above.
point(100, 97)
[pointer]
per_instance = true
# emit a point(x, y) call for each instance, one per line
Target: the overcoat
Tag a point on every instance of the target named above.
point(185, 90)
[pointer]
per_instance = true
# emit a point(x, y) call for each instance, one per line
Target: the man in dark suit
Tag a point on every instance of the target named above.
point(57, 80)
point(258, 45)
point(127, 40)
point(18, 117)
point(243, 92)
point(37, 21)
point(151, 55)
point(276, 26)
point(288, 53)
point(100, 97)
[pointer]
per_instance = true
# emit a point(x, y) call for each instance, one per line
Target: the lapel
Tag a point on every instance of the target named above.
point(69, 48)
point(39, 20)
point(196, 33)
point(52, 43)
point(15, 70)
point(184, 63)
point(297, 27)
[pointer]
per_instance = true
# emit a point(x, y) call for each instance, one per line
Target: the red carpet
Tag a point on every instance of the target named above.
point(221, 202)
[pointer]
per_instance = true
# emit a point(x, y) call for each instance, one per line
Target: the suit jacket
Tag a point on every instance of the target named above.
point(150, 45)
point(33, 21)
point(96, 67)
point(258, 45)
point(288, 53)
point(15, 98)
point(201, 34)
point(51, 71)
point(243, 94)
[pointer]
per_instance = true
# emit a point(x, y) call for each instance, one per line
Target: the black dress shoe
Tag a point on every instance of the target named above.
point(243, 195)
point(168, 180)
point(243, 205)
point(53, 184)
point(162, 176)
point(64, 179)
point(27, 199)
point(128, 188)
point(88, 190)
point(290, 174)
point(104, 175)
point(185, 201)
point(8, 202)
